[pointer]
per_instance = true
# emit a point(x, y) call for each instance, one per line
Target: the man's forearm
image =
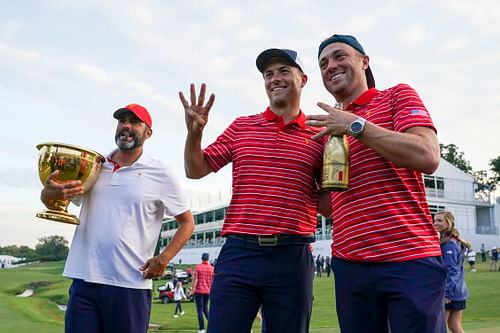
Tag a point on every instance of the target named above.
point(181, 236)
point(195, 164)
point(415, 149)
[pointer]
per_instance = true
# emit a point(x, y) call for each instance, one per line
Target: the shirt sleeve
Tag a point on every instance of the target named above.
point(174, 200)
point(408, 109)
point(220, 152)
point(451, 258)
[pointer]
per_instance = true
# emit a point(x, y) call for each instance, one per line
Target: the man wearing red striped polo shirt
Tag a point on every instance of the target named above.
point(202, 282)
point(271, 218)
point(389, 275)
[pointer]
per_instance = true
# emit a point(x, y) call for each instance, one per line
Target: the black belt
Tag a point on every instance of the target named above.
point(274, 240)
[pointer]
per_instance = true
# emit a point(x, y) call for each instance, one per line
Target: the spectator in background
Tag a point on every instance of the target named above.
point(202, 282)
point(471, 255)
point(328, 263)
point(483, 253)
point(175, 280)
point(178, 297)
point(493, 258)
point(453, 247)
point(318, 266)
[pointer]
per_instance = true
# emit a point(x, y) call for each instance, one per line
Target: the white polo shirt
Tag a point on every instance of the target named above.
point(120, 221)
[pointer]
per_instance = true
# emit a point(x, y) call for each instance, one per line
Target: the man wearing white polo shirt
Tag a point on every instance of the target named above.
point(110, 257)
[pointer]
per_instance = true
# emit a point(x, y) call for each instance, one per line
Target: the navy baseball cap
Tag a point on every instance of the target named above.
point(353, 42)
point(289, 56)
point(204, 256)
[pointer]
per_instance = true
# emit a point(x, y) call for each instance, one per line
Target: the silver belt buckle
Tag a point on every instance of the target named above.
point(268, 241)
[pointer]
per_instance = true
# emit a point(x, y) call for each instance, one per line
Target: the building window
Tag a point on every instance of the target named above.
point(434, 186)
point(434, 209)
point(220, 214)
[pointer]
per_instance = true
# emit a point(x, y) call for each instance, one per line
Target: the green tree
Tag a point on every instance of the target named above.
point(452, 154)
point(486, 180)
point(22, 251)
point(495, 169)
point(52, 248)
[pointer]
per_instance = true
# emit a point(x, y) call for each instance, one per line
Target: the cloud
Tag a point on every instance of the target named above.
point(95, 73)
point(9, 52)
point(454, 45)
point(19, 177)
point(413, 36)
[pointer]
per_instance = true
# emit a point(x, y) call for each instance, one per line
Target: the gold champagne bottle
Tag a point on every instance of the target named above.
point(336, 161)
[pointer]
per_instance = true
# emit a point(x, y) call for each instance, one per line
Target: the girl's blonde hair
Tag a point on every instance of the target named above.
point(451, 231)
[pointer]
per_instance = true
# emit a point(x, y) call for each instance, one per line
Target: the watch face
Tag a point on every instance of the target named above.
point(356, 127)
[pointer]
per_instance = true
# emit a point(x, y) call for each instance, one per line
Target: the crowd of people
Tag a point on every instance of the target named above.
point(383, 231)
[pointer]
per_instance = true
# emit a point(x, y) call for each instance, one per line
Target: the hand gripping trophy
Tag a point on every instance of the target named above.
point(73, 163)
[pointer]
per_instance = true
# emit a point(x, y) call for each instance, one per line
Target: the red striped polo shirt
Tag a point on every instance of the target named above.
point(204, 274)
point(384, 215)
point(276, 168)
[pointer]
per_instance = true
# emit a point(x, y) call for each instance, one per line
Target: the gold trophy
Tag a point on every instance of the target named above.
point(336, 162)
point(74, 163)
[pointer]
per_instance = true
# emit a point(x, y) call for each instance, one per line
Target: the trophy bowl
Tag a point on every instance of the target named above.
point(73, 163)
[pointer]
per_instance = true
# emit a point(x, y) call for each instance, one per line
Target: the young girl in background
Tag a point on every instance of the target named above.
point(178, 297)
point(453, 247)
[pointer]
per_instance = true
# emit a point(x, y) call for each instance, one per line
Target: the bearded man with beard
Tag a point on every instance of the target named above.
point(110, 259)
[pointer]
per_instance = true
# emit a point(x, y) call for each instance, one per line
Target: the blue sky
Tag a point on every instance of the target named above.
point(65, 66)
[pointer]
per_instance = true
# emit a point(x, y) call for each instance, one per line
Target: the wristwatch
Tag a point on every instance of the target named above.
point(356, 127)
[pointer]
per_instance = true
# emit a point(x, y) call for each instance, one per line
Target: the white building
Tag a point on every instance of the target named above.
point(448, 188)
point(7, 261)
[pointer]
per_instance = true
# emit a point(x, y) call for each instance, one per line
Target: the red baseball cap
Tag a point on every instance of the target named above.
point(138, 110)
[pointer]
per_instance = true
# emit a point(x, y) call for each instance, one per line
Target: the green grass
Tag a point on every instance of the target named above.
point(40, 313)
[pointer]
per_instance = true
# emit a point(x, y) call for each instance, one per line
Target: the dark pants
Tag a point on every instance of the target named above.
point(202, 308)
point(406, 296)
point(178, 306)
point(96, 308)
point(247, 275)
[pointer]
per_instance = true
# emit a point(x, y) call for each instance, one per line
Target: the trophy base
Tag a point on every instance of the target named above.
point(59, 216)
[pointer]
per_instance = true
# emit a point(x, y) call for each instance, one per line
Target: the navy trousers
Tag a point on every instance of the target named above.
point(247, 276)
point(400, 297)
point(201, 308)
point(98, 308)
